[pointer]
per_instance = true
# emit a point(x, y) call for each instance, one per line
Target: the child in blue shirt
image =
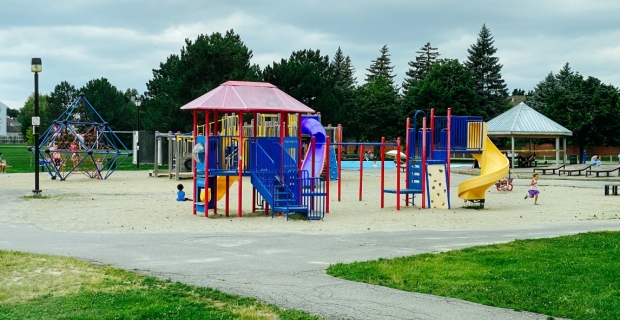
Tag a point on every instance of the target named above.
point(181, 194)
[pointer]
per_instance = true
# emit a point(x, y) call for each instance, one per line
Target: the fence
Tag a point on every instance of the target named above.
point(12, 140)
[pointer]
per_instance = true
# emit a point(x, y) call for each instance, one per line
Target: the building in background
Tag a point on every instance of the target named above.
point(9, 127)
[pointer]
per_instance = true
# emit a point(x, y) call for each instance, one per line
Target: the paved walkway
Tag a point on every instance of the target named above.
point(287, 269)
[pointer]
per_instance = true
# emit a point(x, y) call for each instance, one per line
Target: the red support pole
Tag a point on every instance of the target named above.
point(398, 174)
point(448, 145)
point(196, 194)
point(207, 135)
point(227, 209)
point(282, 125)
point(382, 170)
point(240, 166)
point(327, 173)
point(361, 151)
point(339, 161)
point(423, 162)
point(407, 156)
point(432, 132)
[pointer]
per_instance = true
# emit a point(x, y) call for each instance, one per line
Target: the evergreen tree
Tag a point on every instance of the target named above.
point(564, 75)
point(537, 99)
point(343, 70)
point(308, 77)
point(486, 72)
point(518, 92)
point(382, 66)
point(418, 69)
point(344, 86)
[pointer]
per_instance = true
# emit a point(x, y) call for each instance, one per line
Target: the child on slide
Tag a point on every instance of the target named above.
point(533, 192)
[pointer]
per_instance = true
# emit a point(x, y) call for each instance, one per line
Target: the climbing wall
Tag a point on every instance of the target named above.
point(438, 192)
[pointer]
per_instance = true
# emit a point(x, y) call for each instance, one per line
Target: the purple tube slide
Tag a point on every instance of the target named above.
point(315, 129)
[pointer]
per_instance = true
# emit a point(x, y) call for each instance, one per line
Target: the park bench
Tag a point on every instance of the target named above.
point(578, 169)
point(550, 168)
point(606, 170)
point(613, 187)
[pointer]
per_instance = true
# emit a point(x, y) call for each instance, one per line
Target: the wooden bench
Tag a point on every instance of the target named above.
point(613, 187)
point(577, 169)
point(550, 168)
point(603, 170)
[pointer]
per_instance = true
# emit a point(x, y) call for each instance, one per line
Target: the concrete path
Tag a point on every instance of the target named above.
point(287, 269)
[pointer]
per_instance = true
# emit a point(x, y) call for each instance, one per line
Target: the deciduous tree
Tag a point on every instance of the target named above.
point(60, 99)
point(447, 85)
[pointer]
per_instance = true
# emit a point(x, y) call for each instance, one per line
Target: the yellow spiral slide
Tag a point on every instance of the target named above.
point(493, 167)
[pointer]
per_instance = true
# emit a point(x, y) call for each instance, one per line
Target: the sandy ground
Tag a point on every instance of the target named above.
point(133, 202)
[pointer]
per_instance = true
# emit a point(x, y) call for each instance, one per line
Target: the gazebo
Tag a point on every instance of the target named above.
point(521, 121)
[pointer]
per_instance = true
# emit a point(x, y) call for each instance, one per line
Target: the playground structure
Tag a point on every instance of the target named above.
point(285, 181)
point(427, 160)
point(179, 155)
point(81, 141)
point(267, 149)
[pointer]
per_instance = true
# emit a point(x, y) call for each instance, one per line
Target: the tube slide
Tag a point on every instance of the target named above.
point(315, 129)
point(493, 167)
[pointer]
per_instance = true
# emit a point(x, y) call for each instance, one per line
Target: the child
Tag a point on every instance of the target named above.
point(2, 164)
point(181, 194)
point(533, 192)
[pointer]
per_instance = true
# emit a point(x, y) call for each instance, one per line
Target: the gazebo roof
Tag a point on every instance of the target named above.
point(523, 121)
point(244, 96)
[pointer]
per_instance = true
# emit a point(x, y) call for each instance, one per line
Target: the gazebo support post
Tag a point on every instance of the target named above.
point(557, 150)
point(564, 157)
point(512, 151)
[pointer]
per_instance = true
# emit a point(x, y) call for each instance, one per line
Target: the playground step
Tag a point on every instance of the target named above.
point(302, 209)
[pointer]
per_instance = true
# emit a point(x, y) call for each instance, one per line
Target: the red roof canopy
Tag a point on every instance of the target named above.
point(235, 96)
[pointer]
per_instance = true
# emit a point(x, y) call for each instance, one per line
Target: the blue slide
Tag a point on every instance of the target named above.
point(315, 129)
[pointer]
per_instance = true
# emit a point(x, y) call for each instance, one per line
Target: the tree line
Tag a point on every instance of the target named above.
point(375, 108)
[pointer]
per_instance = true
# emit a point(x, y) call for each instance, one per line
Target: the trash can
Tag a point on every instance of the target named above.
point(573, 159)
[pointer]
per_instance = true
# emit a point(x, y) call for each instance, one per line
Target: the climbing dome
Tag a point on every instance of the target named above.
point(81, 141)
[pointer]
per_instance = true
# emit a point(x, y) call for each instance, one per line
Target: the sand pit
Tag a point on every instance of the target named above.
point(132, 202)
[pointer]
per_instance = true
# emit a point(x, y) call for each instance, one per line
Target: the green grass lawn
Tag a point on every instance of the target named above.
point(572, 276)
point(20, 160)
point(51, 287)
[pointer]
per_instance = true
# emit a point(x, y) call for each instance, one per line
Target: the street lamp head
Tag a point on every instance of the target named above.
point(35, 65)
point(137, 100)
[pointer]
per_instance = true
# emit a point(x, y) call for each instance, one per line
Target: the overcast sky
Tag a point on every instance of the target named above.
point(124, 40)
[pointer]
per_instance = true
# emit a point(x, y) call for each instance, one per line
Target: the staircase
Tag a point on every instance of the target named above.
point(277, 179)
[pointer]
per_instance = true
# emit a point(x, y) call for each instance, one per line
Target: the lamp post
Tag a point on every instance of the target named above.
point(36, 67)
point(137, 100)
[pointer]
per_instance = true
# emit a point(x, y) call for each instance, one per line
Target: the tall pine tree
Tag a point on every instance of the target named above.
point(382, 66)
point(418, 69)
point(537, 99)
point(486, 71)
point(343, 70)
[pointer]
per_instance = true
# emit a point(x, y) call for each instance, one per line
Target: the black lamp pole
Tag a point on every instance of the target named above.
point(36, 67)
